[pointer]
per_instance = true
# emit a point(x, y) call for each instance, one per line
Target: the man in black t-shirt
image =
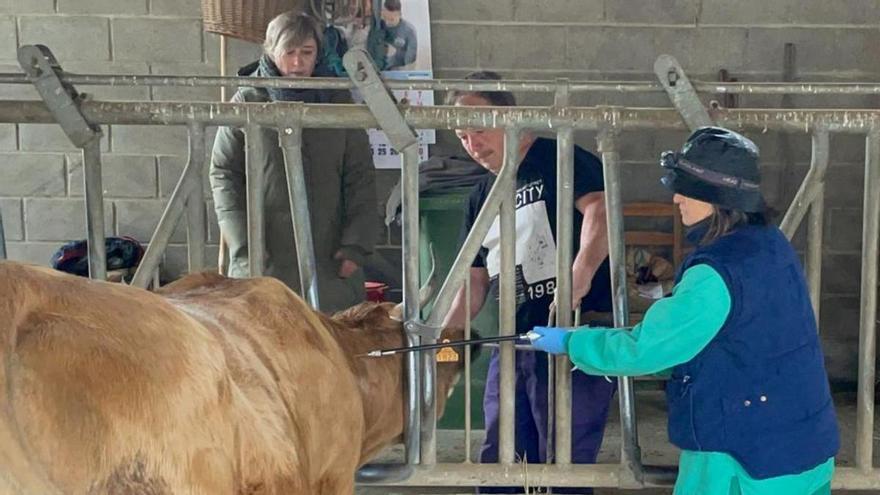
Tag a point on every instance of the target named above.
point(536, 188)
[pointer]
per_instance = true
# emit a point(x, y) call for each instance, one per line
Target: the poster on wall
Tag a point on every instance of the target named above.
point(407, 57)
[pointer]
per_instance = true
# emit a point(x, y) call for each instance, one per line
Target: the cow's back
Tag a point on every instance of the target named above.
point(107, 388)
point(289, 369)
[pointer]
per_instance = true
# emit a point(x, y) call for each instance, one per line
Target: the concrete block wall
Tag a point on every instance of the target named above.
point(40, 172)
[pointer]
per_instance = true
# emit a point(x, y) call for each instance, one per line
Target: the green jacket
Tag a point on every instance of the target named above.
point(340, 182)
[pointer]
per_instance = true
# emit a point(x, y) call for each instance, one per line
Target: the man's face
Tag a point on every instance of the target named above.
point(391, 17)
point(298, 61)
point(485, 146)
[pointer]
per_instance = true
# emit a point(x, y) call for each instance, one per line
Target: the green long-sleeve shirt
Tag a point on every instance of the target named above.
point(675, 329)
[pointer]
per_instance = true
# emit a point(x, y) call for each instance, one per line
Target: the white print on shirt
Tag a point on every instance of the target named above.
point(535, 246)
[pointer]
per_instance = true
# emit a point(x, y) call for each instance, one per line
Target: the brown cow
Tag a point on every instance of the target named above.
point(213, 386)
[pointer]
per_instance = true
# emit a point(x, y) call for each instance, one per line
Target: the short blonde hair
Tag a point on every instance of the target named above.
point(290, 29)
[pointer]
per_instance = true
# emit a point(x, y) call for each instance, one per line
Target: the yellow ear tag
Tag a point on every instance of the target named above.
point(447, 354)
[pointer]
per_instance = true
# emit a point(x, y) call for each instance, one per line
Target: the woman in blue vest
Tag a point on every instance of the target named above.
point(748, 398)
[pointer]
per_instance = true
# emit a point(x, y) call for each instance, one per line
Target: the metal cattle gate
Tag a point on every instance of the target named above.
point(80, 119)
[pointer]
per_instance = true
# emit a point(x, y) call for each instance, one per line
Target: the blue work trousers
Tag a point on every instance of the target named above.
point(590, 399)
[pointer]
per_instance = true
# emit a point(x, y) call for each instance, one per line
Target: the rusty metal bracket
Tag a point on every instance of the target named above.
point(63, 102)
point(681, 92)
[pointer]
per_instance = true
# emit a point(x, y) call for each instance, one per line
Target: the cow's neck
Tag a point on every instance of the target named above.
point(380, 381)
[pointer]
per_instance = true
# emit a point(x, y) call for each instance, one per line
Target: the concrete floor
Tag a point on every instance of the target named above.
point(651, 413)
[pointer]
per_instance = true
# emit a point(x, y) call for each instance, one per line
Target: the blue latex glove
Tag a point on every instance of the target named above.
point(551, 339)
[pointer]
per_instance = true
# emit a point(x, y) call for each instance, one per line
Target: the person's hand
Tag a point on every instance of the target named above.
point(346, 266)
point(551, 339)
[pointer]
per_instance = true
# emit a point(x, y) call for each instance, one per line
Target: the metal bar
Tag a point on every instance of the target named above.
point(579, 475)
point(630, 455)
point(254, 177)
point(189, 181)
point(363, 72)
point(411, 261)
point(817, 223)
point(507, 301)
point(197, 220)
point(290, 139)
point(480, 475)
point(467, 366)
point(63, 103)
point(440, 117)
point(811, 185)
point(420, 428)
point(814, 250)
point(537, 86)
point(409, 191)
point(94, 196)
point(561, 449)
point(224, 52)
point(868, 326)
point(681, 92)
point(2, 239)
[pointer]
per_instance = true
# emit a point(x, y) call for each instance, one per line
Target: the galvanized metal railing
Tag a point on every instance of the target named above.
point(610, 122)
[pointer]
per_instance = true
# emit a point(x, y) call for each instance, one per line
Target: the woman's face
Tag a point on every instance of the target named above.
point(298, 61)
point(692, 210)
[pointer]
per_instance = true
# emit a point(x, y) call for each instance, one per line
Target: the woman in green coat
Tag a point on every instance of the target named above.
point(339, 174)
point(748, 396)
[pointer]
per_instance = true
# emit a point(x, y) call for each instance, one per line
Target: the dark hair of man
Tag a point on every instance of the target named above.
point(392, 5)
point(494, 98)
point(726, 220)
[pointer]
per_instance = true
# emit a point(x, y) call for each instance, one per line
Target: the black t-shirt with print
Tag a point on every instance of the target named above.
point(536, 232)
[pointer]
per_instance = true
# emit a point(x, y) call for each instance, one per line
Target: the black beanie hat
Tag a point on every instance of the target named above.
point(718, 166)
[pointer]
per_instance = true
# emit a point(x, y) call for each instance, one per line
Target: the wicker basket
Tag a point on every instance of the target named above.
point(244, 19)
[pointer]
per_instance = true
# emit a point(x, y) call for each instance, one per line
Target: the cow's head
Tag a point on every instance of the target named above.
point(383, 379)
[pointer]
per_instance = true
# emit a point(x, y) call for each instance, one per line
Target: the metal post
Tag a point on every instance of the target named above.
point(65, 105)
point(811, 185)
point(94, 194)
point(868, 326)
point(190, 181)
point(410, 200)
point(811, 194)
point(409, 182)
point(559, 419)
point(507, 301)
point(291, 144)
point(814, 250)
point(255, 201)
point(630, 455)
point(467, 367)
point(2, 239)
point(564, 234)
point(196, 215)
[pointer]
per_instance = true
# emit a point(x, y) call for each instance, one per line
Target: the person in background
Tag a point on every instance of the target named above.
point(536, 187)
point(339, 174)
point(749, 402)
point(403, 44)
